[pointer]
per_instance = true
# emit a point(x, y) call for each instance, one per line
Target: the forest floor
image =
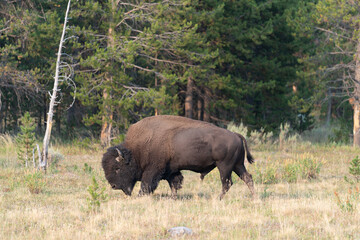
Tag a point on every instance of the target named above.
point(319, 206)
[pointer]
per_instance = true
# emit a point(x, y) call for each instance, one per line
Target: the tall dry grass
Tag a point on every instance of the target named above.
point(7, 151)
point(304, 209)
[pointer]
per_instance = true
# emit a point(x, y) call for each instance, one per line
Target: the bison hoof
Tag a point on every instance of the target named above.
point(221, 196)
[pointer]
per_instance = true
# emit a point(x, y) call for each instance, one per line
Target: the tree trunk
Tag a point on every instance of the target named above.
point(189, 98)
point(49, 121)
point(39, 122)
point(207, 95)
point(199, 108)
point(328, 115)
point(1, 112)
point(356, 130)
point(157, 111)
point(356, 105)
point(105, 136)
point(44, 110)
point(5, 115)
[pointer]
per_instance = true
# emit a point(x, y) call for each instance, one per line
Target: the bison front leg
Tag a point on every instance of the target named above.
point(175, 182)
point(149, 181)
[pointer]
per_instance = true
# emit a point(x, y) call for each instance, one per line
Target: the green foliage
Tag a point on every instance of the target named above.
point(354, 168)
point(284, 132)
point(85, 143)
point(261, 139)
point(303, 120)
point(241, 128)
point(257, 139)
point(325, 26)
point(341, 133)
point(132, 60)
point(97, 195)
point(87, 169)
point(119, 139)
point(351, 201)
point(292, 170)
point(7, 146)
point(35, 182)
point(25, 141)
point(310, 168)
point(354, 171)
point(265, 174)
point(353, 194)
point(304, 168)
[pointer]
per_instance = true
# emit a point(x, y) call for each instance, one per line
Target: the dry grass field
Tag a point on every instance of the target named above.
point(288, 206)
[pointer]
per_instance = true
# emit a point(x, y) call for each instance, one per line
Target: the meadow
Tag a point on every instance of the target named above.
point(301, 192)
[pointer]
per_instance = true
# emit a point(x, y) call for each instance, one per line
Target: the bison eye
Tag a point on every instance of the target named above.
point(117, 170)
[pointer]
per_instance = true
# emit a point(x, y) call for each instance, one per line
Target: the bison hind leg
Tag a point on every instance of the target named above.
point(246, 177)
point(226, 181)
point(175, 182)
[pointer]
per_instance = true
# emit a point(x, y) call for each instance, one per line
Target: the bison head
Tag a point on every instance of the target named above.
point(119, 168)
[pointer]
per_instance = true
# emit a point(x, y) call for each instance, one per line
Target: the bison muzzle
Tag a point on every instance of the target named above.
point(159, 147)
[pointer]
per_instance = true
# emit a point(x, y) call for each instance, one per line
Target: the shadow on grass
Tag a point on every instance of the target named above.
point(294, 195)
point(181, 197)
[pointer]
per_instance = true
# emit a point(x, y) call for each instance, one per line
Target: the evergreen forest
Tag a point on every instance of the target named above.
point(261, 63)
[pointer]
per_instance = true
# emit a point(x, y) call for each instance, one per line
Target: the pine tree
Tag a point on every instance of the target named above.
point(25, 141)
point(129, 60)
point(333, 53)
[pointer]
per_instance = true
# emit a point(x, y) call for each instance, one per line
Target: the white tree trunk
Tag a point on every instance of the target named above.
point(50, 114)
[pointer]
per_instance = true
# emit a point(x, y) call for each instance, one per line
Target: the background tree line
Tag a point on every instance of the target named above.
point(259, 62)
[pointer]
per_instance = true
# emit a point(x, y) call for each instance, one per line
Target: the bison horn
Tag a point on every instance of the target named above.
point(120, 157)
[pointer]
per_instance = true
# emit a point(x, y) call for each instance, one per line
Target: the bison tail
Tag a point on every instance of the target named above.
point(249, 157)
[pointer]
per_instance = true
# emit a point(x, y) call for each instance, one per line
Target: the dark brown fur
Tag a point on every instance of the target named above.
point(160, 147)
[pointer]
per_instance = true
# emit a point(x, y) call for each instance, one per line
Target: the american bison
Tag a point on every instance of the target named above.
point(160, 147)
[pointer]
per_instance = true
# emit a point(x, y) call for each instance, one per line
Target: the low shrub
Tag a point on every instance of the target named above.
point(265, 174)
point(87, 169)
point(25, 141)
point(291, 170)
point(241, 128)
point(261, 139)
point(309, 168)
point(341, 132)
point(351, 201)
point(55, 158)
point(354, 171)
point(97, 195)
point(8, 151)
point(353, 194)
point(35, 182)
point(284, 132)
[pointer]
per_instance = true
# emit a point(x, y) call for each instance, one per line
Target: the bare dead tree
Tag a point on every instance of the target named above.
point(53, 100)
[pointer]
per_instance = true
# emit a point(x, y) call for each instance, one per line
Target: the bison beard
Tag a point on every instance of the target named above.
point(160, 147)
